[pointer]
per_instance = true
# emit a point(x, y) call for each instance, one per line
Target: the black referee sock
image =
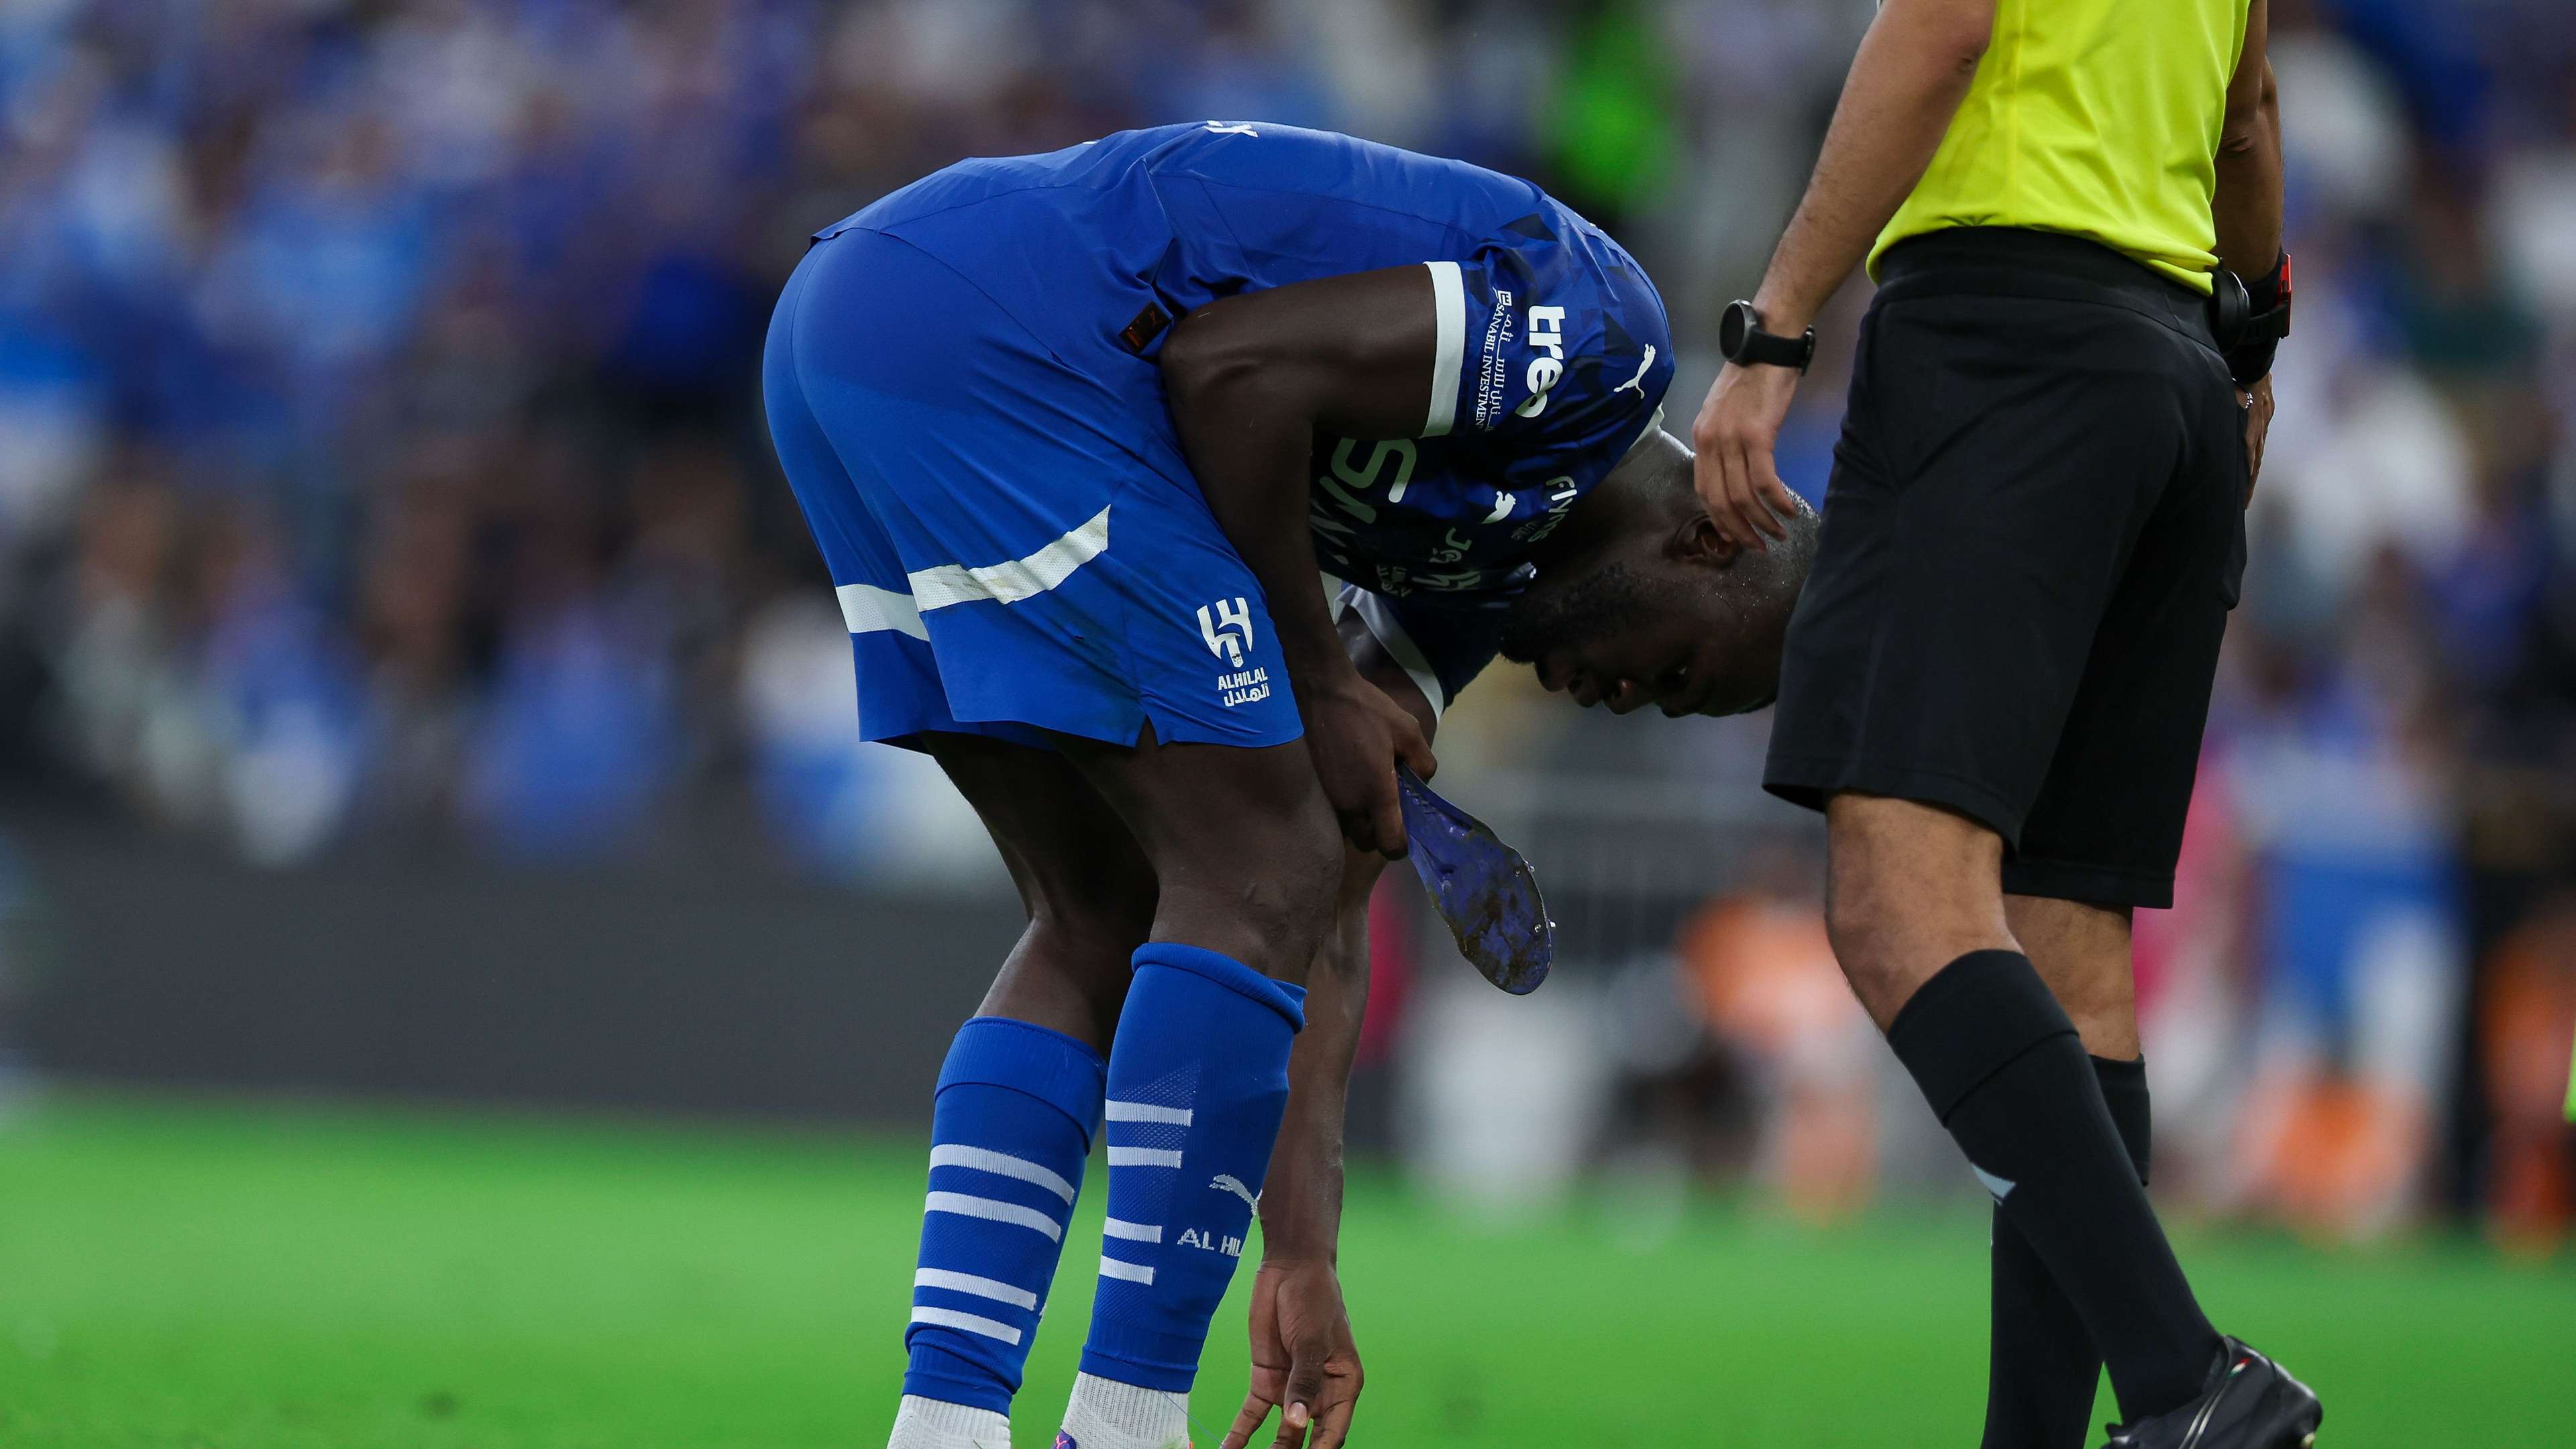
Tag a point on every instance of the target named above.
point(2042, 1368)
point(2003, 1068)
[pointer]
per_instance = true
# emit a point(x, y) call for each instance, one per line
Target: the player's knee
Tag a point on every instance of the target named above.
point(1909, 889)
point(1304, 887)
point(1863, 928)
point(1287, 898)
point(1099, 904)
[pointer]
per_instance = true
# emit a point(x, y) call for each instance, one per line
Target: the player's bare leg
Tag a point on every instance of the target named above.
point(1242, 846)
point(1177, 895)
point(1915, 905)
point(1245, 854)
point(1088, 890)
point(1305, 1362)
point(1019, 1098)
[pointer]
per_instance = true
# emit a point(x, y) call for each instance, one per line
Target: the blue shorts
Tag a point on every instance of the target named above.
point(1016, 540)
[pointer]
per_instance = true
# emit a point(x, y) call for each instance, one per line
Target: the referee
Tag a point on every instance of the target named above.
point(1996, 681)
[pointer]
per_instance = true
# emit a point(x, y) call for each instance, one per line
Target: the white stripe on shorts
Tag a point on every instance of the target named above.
point(1133, 1232)
point(1017, 579)
point(994, 1210)
point(1143, 1157)
point(993, 1288)
point(967, 1323)
point(1000, 1164)
point(868, 609)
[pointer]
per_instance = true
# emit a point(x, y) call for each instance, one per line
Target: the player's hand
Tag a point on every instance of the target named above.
point(2257, 403)
point(1731, 445)
point(1357, 736)
point(1303, 1360)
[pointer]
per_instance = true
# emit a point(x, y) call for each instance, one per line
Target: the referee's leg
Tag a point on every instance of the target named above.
point(1916, 909)
point(2041, 1365)
point(2101, 838)
point(2003, 462)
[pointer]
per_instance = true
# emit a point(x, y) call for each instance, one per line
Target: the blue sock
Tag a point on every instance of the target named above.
point(1009, 1133)
point(1198, 1079)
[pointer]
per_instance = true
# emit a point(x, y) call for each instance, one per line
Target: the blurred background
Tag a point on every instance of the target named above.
point(416, 683)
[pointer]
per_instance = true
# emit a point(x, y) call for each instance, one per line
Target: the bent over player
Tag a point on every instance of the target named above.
point(1077, 434)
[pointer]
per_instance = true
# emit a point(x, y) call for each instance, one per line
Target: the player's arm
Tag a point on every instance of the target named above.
point(1251, 381)
point(2247, 208)
point(1913, 69)
point(1302, 1350)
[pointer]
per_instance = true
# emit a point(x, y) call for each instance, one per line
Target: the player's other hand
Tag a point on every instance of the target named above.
point(2257, 403)
point(1304, 1362)
point(1358, 736)
point(1731, 445)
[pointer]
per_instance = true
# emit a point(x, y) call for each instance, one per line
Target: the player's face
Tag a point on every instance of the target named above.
point(1685, 657)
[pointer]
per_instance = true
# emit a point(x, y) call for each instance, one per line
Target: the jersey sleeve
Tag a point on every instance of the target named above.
point(1550, 358)
point(1441, 645)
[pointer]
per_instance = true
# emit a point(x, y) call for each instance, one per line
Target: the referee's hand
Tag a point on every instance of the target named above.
point(2257, 404)
point(1731, 445)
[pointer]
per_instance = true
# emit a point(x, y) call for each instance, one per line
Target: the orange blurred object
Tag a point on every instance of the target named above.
point(2523, 1029)
point(1767, 983)
point(2335, 1158)
point(1765, 972)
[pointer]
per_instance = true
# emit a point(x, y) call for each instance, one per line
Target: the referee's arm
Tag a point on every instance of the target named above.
point(1913, 69)
point(2247, 207)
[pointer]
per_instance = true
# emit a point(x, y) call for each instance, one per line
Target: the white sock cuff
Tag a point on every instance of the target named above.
point(921, 1423)
point(1130, 1411)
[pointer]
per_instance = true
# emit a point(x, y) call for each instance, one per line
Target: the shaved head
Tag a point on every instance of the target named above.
point(1648, 604)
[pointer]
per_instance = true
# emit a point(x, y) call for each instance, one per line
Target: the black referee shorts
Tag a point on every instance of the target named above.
point(2033, 536)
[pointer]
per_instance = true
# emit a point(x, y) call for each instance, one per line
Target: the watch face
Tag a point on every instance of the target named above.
point(1734, 327)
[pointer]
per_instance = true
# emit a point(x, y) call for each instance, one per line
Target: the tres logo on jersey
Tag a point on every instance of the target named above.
point(1547, 335)
point(1228, 630)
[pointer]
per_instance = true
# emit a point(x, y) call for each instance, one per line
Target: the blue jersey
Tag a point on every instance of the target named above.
point(1553, 351)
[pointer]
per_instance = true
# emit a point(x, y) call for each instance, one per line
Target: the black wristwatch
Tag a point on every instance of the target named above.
point(2249, 318)
point(1740, 339)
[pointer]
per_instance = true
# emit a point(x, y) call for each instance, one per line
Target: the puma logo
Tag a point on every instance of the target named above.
point(1224, 1183)
point(1639, 381)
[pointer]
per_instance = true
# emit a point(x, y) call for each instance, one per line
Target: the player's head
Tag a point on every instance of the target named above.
point(1640, 600)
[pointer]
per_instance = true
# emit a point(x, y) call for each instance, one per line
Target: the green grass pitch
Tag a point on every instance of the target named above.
point(267, 1277)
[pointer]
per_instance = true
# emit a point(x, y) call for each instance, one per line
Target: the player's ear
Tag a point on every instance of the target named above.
point(1696, 539)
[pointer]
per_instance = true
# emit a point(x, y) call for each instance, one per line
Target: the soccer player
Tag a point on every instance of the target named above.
point(1172, 484)
point(1996, 686)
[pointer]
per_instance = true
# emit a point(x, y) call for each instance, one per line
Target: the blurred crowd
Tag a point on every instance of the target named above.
point(380, 460)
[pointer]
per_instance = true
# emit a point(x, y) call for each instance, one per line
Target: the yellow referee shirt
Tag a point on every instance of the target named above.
point(2096, 118)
